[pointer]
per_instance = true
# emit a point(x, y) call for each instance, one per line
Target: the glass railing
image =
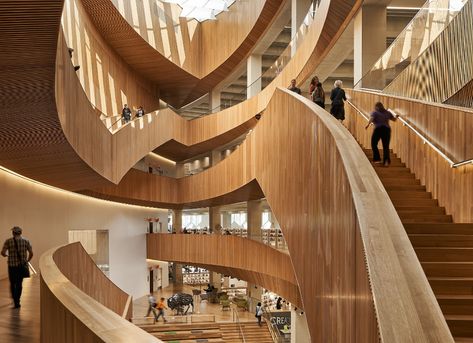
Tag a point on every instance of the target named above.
point(424, 28)
point(271, 73)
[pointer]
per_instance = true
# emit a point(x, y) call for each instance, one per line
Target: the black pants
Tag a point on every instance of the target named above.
point(16, 283)
point(383, 133)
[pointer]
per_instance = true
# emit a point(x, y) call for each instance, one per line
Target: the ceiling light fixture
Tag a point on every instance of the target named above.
point(201, 10)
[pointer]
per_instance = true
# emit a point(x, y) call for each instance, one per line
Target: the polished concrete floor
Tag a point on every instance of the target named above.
point(20, 325)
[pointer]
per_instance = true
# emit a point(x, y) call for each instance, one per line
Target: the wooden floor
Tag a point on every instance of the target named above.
point(444, 248)
point(20, 325)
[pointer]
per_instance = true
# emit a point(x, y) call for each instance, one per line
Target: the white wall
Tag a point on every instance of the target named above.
point(47, 214)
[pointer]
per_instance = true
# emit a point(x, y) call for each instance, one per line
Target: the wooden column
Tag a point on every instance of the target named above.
point(254, 213)
point(177, 228)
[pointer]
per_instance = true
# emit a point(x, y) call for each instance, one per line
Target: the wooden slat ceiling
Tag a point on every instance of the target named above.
point(177, 87)
point(31, 139)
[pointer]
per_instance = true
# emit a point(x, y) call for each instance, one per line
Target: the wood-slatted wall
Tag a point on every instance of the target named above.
point(450, 128)
point(444, 68)
point(240, 257)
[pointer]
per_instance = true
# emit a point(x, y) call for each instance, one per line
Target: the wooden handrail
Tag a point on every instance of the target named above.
point(82, 318)
point(447, 127)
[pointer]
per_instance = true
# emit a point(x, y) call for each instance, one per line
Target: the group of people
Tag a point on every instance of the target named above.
point(380, 117)
point(153, 306)
point(126, 113)
point(317, 95)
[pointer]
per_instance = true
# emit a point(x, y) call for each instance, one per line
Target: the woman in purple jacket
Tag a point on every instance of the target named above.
point(380, 118)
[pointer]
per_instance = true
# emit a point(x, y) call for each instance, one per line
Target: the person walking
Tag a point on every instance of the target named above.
point(161, 306)
point(259, 313)
point(19, 252)
point(380, 118)
point(126, 113)
point(338, 96)
point(152, 307)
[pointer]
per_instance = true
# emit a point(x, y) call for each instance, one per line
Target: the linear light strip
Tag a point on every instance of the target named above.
point(57, 189)
point(424, 139)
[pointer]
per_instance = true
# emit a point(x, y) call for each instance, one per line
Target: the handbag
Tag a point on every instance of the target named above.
point(24, 268)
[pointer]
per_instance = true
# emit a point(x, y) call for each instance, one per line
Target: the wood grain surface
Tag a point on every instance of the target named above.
point(449, 127)
point(336, 215)
point(68, 314)
point(244, 258)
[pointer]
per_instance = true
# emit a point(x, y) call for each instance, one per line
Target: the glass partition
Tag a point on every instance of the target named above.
point(424, 28)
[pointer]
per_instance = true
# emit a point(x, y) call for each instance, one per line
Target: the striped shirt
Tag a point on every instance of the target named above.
point(15, 258)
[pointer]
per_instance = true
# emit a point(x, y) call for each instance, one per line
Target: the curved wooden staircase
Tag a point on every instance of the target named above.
point(444, 248)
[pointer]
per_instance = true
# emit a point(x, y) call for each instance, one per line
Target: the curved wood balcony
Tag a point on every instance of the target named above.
point(179, 83)
point(335, 217)
point(80, 304)
point(244, 258)
point(103, 150)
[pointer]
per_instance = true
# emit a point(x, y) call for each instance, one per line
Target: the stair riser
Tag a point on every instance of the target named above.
point(439, 228)
point(459, 241)
point(456, 307)
point(451, 270)
point(395, 182)
point(424, 218)
point(409, 203)
point(444, 255)
point(421, 210)
point(396, 195)
point(461, 328)
point(452, 287)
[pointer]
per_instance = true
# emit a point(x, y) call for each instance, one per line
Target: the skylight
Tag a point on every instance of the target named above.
point(201, 10)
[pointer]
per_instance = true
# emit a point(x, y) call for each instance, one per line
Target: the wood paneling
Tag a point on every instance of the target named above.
point(32, 142)
point(68, 314)
point(323, 208)
point(96, 284)
point(240, 257)
point(444, 67)
point(448, 127)
point(107, 80)
point(198, 48)
point(177, 86)
point(116, 155)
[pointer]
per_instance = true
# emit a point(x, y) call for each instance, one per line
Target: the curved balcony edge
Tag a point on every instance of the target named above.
point(69, 314)
point(336, 217)
point(240, 257)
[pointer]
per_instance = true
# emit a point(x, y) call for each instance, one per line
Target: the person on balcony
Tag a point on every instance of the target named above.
point(161, 306)
point(313, 83)
point(126, 113)
point(318, 93)
point(19, 255)
point(293, 87)
point(338, 97)
point(380, 118)
point(140, 112)
point(152, 307)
